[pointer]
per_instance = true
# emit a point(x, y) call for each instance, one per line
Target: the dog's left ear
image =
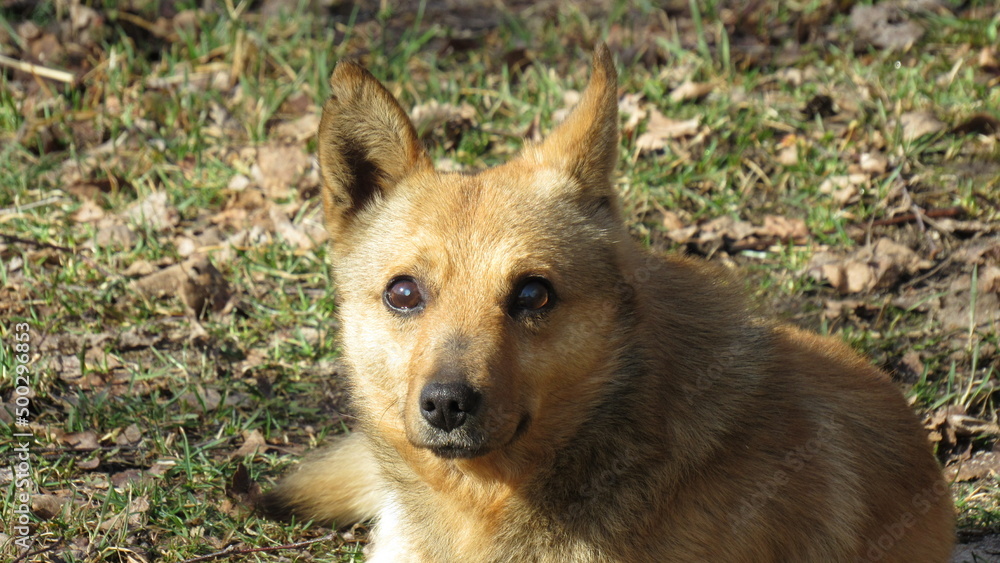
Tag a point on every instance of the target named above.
point(585, 145)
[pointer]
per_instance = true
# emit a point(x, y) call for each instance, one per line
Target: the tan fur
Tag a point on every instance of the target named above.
point(647, 416)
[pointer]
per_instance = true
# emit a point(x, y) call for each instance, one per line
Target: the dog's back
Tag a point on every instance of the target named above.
point(533, 386)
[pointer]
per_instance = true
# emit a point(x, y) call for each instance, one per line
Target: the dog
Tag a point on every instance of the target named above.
point(532, 385)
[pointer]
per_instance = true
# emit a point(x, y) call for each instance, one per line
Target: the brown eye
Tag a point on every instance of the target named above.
point(403, 295)
point(533, 295)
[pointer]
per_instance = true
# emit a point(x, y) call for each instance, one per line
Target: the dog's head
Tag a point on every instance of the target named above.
point(479, 311)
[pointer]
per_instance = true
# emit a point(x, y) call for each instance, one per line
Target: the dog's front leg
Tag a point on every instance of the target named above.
point(340, 485)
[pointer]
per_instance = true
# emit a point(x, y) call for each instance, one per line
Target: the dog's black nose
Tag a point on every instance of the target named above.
point(448, 405)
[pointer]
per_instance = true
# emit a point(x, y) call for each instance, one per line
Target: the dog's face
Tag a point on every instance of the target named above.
point(477, 310)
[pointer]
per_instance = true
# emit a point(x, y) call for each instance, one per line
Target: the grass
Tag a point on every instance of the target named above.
point(186, 110)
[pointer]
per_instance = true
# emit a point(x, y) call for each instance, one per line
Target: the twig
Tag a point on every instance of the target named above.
point(917, 212)
point(32, 205)
point(232, 551)
point(73, 251)
point(922, 221)
point(50, 452)
point(38, 243)
point(25, 556)
point(911, 217)
point(928, 274)
point(38, 70)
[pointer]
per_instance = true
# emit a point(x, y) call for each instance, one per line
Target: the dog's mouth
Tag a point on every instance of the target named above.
point(458, 452)
point(465, 445)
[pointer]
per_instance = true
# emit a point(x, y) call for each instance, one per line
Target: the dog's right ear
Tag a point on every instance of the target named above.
point(367, 145)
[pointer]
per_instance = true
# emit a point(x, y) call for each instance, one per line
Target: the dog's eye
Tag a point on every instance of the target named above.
point(534, 294)
point(403, 295)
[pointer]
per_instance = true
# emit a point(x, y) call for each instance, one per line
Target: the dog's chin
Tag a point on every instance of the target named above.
point(457, 452)
point(467, 447)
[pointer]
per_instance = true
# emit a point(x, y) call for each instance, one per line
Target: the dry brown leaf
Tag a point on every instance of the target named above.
point(884, 26)
point(784, 229)
point(199, 284)
point(84, 28)
point(988, 60)
point(253, 443)
point(98, 362)
point(966, 228)
point(989, 280)
point(300, 236)
point(938, 428)
point(43, 47)
point(950, 423)
point(866, 269)
point(959, 309)
point(629, 105)
point(789, 155)
point(191, 243)
point(671, 221)
point(661, 128)
point(736, 235)
point(569, 101)
point(727, 226)
point(161, 467)
point(254, 236)
point(242, 488)
point(90, 463)
point(131, 435)
point(240, 207)
point(122, 478)
point(873, 163)
point(279, 167)
point(89, 212)
point(47, 506)
point(298, 130)
point(188, 20)
point(133, 516)
point(139, 268)
point(190, 80)
point(985, 250)
point(203, 399)
point(690, 91)
point(154, 211)
point(140, 336)
point(433, 114)
point(911, 364)
point(683, 235)
point(113, 233)
point(86, 440)
point(982, 465)
point(239, 182)
point(836, 308)
point(845, 189)
point(916, 124)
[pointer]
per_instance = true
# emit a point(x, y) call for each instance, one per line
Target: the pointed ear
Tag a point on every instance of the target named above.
point(367, 145)
point(585, 145)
